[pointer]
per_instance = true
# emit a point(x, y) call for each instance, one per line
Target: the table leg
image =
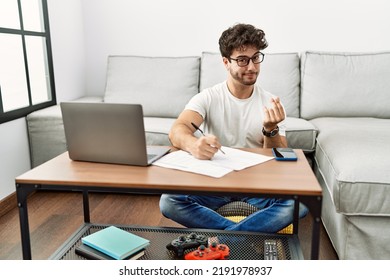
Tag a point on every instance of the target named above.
point(86, 207)
point(22, 192)
point(315, 243)
point(296, 215)
point(314, 203)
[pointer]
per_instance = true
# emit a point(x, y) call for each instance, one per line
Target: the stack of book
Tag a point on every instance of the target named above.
point(112, 243)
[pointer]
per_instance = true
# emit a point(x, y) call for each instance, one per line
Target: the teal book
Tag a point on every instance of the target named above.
point(115, 242)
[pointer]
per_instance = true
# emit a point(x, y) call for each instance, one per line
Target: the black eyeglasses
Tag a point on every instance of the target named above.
point(243, 61)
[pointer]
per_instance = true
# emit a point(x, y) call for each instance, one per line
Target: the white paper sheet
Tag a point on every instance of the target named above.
point(220, 165)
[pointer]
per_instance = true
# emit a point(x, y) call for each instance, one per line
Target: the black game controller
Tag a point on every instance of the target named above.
point(190, 241)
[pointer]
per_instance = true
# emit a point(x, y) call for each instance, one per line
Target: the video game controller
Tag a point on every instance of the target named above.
point(183, 243)
point(213, 252)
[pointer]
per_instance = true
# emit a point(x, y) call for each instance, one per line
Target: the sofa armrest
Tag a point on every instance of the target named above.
point(300, 134)
point(46, 132)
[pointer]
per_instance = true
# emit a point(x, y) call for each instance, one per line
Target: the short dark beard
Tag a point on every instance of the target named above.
point(241, 80)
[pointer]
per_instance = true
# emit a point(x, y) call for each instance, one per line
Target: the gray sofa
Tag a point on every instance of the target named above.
point(338, 112)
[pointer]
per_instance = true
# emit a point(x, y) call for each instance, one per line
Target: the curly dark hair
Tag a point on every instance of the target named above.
point(239, 36)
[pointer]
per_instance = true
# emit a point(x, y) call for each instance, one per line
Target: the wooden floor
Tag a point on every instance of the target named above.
point(54, 216)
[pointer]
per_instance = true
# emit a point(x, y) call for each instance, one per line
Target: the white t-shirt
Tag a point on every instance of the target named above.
point(236, 122)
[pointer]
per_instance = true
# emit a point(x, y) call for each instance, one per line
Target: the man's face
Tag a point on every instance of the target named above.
point(246, 75)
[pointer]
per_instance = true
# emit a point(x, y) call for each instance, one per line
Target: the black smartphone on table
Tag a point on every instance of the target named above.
point(284, 154)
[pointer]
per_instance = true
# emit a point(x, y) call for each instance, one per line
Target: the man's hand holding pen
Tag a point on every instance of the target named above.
point(206, 146)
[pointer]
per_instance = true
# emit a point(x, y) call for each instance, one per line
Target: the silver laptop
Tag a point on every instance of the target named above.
point(108, 133)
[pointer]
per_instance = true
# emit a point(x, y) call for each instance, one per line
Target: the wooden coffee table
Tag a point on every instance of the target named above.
point(294, 180)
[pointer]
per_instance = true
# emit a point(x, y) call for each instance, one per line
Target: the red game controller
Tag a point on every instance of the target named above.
point(213, 252)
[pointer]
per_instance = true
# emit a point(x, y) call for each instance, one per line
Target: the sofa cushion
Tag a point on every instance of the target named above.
point(344, 84)
point(352, 156)
point(162, 85)
point(280, 75)
point(364, 237)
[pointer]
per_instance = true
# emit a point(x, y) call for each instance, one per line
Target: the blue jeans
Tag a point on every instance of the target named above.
point(195, 211)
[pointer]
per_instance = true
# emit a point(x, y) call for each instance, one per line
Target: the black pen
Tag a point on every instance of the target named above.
point(197, 128)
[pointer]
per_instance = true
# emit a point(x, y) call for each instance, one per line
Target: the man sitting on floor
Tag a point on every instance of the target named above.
point(236, 113)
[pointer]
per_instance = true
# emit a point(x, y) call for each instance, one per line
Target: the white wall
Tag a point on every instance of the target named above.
point(15, 155)
point(67, 40)
point(184, 27)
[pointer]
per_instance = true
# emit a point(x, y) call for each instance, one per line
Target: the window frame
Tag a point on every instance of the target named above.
point(22, 112)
